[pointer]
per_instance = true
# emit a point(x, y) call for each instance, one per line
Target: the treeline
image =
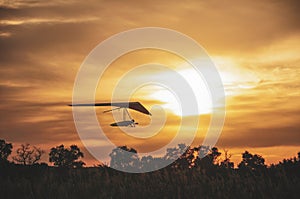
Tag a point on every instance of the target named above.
point(31, 155)
point(199, 172)
point(181, 156)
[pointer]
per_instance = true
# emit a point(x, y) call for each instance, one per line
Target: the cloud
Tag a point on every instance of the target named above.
point(43, 43)
point(45, 20)
point(260, 137)
point(17, 4)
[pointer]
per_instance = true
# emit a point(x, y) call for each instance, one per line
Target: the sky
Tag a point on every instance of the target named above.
point(255, 46)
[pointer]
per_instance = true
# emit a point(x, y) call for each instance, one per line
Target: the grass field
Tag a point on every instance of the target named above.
point(42, 181)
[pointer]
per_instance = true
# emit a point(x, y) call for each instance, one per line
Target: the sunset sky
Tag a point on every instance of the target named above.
point(254, 44)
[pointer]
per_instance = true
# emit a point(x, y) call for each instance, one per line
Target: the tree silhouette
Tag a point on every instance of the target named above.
point(226, 163)
point(28, 155)
point(66, 158)
point(215, 154)
point(189, 158)
point(175, 152)
point(124, 157)
point(251, 162)
point(210, 161)
point(149, 163)
point(5, 150)
point(179, 156)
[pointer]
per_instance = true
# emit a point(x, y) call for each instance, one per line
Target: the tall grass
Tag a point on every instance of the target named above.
point(29, 182)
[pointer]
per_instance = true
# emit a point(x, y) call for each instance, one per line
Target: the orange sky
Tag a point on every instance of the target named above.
point(254, 44)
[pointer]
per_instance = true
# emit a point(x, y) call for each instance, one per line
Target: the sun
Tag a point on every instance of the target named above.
point(171, 102)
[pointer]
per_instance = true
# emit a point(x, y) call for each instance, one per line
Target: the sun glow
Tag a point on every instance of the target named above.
point(172, 103)
point(235, 78)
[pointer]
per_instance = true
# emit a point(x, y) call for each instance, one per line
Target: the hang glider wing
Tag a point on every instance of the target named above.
point(137, 106)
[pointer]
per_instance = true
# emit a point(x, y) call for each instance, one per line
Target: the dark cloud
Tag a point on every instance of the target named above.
point(262, 122)
point(37, 122)
point(248, 137)
point(221, 26)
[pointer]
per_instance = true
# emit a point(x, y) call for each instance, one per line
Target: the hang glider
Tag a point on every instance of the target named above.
point(137, 106)
point(130, 123)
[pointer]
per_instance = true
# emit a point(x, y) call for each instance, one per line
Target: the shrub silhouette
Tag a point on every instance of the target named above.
point(124, 157)
point(66, 158)
point(5, 151)
point(28, 155)
point(252, 162)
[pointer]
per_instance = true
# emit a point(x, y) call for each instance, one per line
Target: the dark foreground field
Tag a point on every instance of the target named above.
point(41, 181)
